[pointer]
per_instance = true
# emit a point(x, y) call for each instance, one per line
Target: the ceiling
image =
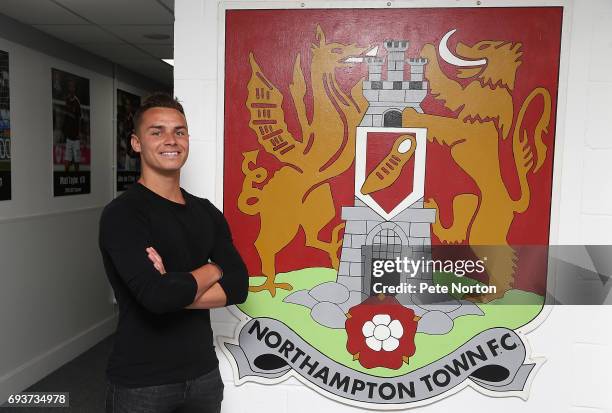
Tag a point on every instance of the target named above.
point(135, 34)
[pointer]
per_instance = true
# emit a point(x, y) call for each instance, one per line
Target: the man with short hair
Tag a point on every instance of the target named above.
point(169, 257)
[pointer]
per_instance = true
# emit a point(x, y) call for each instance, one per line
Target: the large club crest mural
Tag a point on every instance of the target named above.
point(388, 178)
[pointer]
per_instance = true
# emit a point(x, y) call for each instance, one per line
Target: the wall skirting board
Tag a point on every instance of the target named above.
point(35, 369)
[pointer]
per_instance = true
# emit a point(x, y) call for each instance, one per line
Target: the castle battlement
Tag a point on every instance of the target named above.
point(396, 45)
point(374, 60)
point(417, 61)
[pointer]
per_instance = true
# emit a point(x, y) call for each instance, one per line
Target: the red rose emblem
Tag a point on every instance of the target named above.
point(381, 332)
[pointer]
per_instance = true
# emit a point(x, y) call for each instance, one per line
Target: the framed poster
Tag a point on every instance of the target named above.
point(5, 129)
point(388, 177)
point(71, 134)
point(128, 161)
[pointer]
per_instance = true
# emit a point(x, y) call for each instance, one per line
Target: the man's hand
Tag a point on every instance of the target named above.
point(156, 259)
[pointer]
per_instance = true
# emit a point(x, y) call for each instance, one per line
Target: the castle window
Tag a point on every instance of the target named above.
point(397, 85)
point(415, 85)
point(376, 84)
point(392, 119)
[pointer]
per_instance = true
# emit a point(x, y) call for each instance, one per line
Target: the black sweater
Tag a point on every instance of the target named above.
point(157, 340)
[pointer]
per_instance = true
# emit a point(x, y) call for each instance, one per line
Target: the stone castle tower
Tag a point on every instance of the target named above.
point(389, 97)
point(368, 236)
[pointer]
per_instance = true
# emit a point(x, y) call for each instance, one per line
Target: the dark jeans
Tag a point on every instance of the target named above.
point(202, 394)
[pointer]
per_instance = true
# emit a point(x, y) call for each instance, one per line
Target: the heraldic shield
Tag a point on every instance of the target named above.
point(390, 168)
point(389, 192)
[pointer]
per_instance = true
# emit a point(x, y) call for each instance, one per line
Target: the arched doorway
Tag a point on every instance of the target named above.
point(386, 246)
point(392, 119)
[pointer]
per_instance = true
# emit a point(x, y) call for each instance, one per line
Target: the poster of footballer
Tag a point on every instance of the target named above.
point(5, 129)
point(128, 161)
point(387, 176)
point(71, 134)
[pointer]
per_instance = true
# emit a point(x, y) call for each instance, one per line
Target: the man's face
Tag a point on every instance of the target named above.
point(162, 139)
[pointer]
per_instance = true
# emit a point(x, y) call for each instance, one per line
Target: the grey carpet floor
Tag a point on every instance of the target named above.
point(82, 377)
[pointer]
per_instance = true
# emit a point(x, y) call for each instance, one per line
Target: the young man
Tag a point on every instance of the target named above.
point(169, 258)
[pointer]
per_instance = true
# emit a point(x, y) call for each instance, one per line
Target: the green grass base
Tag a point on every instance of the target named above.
point(515, 309)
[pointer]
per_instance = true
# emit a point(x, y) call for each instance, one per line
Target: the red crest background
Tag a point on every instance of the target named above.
point(275, 37)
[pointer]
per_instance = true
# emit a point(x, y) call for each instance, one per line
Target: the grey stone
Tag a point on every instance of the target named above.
point(366, 121)
point(405, 227)
point(467, 308)
point(355, 298)
point(347, 240)
point(351, 254)
point(405, 300)
point(413, 241)
point(358, 240)
point(434, 322)
point(417, 215)
point(385, 105)
point(355, 227)
point(301, 297)
point(359, 213)
point(371, 95)
point(352, 283)
point(392, 95)
point(355, 269)
point(436, 301)
point(377, 108)
point(377, 121)
point(427, 276)
point(408, 280)
point(344, 268)
point(371, 225)
point(395, 75)
point(328, 315)
point(331, 291)
point(415, 96)
point(417, 204)
point(417, 77)
point(419, 229)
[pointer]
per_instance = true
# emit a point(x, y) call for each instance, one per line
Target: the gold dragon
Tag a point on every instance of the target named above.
point(298, 195)
point(484, 111)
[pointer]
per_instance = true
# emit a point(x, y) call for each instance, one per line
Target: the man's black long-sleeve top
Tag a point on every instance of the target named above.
point(157, 340)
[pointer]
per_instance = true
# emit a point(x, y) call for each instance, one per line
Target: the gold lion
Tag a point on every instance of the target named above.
point(484, 115)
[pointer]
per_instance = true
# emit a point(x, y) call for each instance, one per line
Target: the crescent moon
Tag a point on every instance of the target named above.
point(450, 58)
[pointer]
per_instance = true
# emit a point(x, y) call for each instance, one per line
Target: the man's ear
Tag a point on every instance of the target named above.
point(135, 141)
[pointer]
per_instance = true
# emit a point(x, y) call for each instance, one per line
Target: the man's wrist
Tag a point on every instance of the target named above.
point(218, 269)
point(205, 276)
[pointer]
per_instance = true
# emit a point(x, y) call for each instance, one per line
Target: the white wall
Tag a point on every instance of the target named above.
point(55, 301)
point(576, 341)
